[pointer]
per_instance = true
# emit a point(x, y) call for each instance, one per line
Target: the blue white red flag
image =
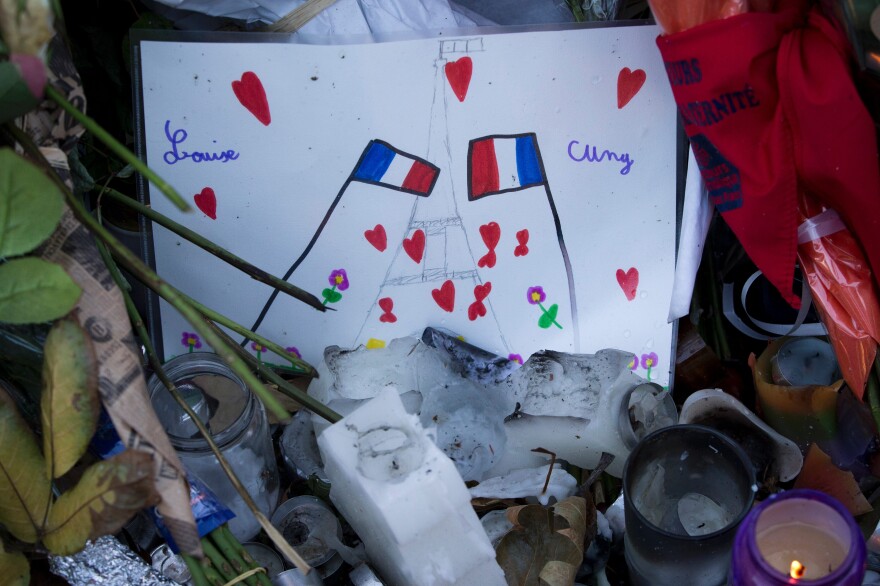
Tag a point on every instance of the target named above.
point(497, 164)
point(382, 164)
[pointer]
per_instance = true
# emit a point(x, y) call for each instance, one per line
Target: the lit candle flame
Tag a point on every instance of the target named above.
point(797, 569)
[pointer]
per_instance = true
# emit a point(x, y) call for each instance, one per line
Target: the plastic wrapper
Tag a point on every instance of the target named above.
point(106, 561)
point(675, 16)
point(842, 288)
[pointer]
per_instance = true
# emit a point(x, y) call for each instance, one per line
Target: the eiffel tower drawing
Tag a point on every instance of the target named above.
point(447, 256)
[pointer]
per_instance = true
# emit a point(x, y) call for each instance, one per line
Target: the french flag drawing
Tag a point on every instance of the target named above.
point(502, 163)
point(382, 164)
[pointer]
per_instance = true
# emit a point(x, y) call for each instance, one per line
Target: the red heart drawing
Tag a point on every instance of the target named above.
point(445, 296)
point(252, 96)
point(523, 238)
point(387, 304)
point(415, 246)
point(491, 234)
point(628, 85)
point(377, 237)
point(629, 282)
point(482, 291)
point(207, 202)
point(459, 75)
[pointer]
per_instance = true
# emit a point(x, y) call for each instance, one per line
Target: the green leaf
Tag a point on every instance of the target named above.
point(35, 290)
point(331, 296)
point(70, 403)
point(15, 97)
point(533, 553)
point(548, 317)
point(30, 205)
point(24, 488)
point(14, 568)
point(106, 497)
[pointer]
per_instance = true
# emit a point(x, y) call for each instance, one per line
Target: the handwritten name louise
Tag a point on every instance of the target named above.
point(177, 154)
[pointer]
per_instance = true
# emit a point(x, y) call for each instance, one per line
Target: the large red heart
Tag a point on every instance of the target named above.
point(252, 96)
point(459, 75)
point(629, 282)
point(628, 85)
point(377, 237)
point(491, 234)
point(207, 202)
point(387, 304)
point(445, 296)
point(415, 246)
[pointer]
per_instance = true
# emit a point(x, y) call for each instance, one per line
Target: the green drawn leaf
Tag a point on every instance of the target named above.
point(331, 296)
point(34, 290)
point(30, 205)
point(24, 488)
point(14, 568)
point(106, 497)
point(69, 405)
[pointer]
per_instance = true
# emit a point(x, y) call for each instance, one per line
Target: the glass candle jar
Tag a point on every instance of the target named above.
point(798, 537)
point(686, 488)
point(237, 422)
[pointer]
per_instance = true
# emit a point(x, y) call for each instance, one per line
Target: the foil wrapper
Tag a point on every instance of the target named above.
point(106, 561)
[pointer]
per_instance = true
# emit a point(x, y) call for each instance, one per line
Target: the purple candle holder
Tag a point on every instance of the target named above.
point(799, 537)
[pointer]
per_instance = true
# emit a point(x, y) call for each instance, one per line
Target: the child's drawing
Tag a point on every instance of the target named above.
point(446, 217)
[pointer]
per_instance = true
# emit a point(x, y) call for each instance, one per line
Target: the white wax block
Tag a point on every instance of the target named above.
point(404, 497)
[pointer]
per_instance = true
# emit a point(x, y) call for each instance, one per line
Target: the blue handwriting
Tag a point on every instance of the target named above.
point(593, 155)
point(175, 155)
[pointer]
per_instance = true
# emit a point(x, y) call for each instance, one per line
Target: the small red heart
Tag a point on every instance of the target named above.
point(482, 291)
point(377, 237)
point(445, 296)
point(629, 282)
point(491, 234)
point(475, 310)
point(207, 202)
point(628, 85)
point(252, 96)
point(459, 75)
point(388, 318)
point(523, 238)
point(415, 246)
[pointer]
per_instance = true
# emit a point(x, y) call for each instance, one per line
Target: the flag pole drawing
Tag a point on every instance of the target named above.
point(380, 164)
point(502, 163)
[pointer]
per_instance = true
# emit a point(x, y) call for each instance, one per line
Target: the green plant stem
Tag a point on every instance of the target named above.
point(118, 148)
point(146, 275)
point(214, 578)
point(226, 535)
point(223, 567)
point(195, 570)
point(254, 272)
point(229, 552)
point(285, 387)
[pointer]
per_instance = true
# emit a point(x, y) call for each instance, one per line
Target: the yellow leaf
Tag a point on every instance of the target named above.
point(106, 497)
point(69, 406)
point(24, 488)
point(14, 568)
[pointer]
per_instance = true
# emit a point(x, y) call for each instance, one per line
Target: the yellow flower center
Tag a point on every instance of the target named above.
point(191, 341)
point(649, 362)
point(536, 297)
point(338, 279)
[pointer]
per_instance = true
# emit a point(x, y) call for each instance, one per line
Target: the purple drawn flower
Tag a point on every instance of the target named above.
point(191, 340)
point(536, 295)
point(515, 358)
point(293, 350)
point(634, 363)
point(649, 360)
point(257, 347)
point(339, 279)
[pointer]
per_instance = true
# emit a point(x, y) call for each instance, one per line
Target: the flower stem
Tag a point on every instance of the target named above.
point(327, 299)
point(118, 148)
point(254, 272)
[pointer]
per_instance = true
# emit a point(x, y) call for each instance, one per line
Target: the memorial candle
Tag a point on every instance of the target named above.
point(798, 537)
